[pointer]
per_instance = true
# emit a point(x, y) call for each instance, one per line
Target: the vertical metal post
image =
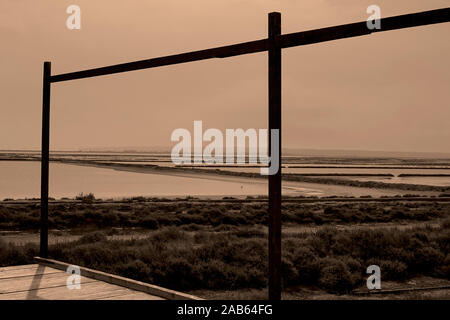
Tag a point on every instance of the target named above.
point(275, 180)
point(45, 159)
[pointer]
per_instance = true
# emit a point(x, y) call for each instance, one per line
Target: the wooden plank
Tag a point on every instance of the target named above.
point(121, 281)
point(111, 294)
point(89, 291)
point(34, 282)
point(285, 41)
point(16, 273)
point(133, 296)
point(19, 267)
point(92, 290)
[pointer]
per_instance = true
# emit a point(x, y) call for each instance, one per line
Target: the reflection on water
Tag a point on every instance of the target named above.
point(21, 179)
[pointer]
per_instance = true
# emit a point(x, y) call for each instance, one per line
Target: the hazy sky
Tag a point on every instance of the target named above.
point(388, 91)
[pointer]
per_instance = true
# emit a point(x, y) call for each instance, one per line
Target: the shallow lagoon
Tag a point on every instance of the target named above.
point(21, 179)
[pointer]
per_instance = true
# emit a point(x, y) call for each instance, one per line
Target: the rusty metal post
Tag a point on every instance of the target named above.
point(45, 160)
point(275, 179)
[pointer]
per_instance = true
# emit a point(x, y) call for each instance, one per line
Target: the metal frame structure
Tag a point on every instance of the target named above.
point(273, 45)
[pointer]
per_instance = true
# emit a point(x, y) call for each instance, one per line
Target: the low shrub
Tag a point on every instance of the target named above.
point(86, 198)
point(93, 237)
point(335, 276)
point(331, 259)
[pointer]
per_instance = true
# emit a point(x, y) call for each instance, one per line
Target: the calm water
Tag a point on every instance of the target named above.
point(21, 179)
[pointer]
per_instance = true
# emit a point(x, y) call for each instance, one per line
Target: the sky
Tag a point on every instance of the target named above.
point(388, 91)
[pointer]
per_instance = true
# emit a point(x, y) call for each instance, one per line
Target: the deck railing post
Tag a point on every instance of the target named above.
point(275, 180)
point(45, 160)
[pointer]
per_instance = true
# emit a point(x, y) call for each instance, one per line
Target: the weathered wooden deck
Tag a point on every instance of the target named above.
point(46, 280)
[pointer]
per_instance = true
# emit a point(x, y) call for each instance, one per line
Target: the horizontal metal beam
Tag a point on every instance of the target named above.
point(219, 52)
point(285, 41)
point(361, 29)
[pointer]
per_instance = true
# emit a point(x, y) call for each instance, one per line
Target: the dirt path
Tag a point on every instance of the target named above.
point(22, 238)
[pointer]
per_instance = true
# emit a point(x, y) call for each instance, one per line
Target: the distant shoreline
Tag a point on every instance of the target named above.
point(323, 185)
point(306, 181)
point(287, 152)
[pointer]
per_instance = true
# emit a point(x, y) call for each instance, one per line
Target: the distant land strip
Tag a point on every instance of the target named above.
point(285, 176)
point(424, 175)
point(409, 166)
point(438, 166)
point(329, 180)
point(249, 199)
point(434, 167)
point(307, 178)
